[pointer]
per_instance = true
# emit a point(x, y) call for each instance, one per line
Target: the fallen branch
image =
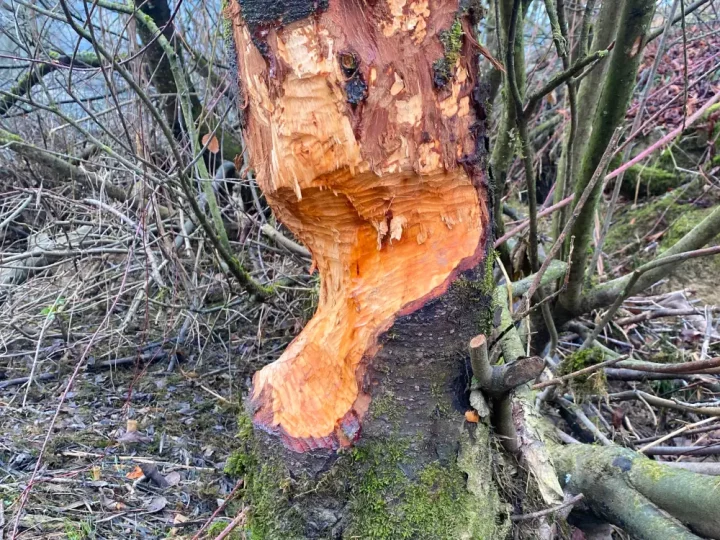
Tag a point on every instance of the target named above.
point(52, 161)
point(687, 368)
point(23, 380)
point(661, 313)
point(648, 499)
point(683, 451)
point(661, 402)
point(633, 279)
point(696, 431)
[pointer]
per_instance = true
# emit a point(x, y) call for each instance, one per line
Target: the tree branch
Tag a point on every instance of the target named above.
point(563, 77)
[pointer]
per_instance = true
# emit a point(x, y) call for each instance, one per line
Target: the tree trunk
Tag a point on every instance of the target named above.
point(366, 131)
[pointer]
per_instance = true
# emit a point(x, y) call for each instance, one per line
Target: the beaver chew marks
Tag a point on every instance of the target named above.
point(373, 189)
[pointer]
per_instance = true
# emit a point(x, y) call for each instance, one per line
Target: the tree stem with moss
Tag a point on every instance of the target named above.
point(617, 90)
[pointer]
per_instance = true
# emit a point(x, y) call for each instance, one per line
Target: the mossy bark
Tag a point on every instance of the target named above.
point(419, 470)
point(647, 499)
point(700, 235)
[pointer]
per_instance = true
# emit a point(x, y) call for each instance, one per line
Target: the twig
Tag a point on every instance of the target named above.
point(687, 368)
point(675, 433)
point(220, 508)
point(240, 518)
point(607, 155)
point(666, 139)
point(562, 78)
point(524, 225)
point(23, 380)
point(541, 513)
point(697, 431)
point(584, 420)
point(16, 212)
point(2, 519)
point(26, 492)
point(584, 371)
point(94, 455)
point(688, 10)
point(660, 313)
point(39, 252)
point(46, 323)
point(684, 451)
point(208, 390)
point(627, 290)
point(661, 402)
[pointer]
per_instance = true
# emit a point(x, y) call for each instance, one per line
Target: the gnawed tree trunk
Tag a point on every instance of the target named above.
point(366, 131)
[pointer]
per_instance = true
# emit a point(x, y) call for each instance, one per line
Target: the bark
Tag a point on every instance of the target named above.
point(418, 471)
point(365, 127)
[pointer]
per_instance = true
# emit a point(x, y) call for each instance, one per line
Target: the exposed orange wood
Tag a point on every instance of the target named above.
point(373, 187)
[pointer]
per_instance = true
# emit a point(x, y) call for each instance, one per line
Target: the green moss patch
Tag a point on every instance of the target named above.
point(451, 40)
point(594, 383)
point(652, 181)
point(682, 225)
point(219, 526)
point(633, 224)
point(387, 504)
point(477, 294)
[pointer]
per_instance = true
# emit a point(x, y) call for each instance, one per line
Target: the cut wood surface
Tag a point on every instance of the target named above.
point(363, 132)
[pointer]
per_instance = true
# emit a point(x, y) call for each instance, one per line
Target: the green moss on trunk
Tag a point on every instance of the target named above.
point(375, 488)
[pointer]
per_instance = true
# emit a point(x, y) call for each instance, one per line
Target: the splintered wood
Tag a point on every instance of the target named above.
point(374, 166)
